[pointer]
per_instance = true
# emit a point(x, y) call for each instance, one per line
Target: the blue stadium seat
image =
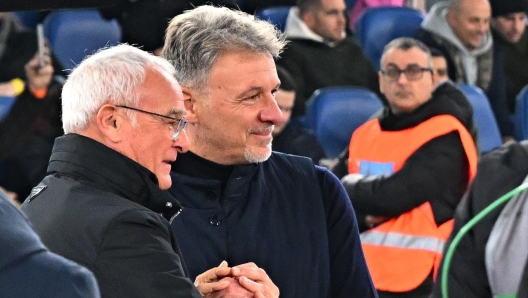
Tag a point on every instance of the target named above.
point(74, 34)
point(488, 131)
point(521, 115)
point(377, 26)
point(333, 113)
point(6, 102)
point(276, 15)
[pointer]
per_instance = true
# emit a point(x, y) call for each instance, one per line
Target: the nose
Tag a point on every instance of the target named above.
point(402, 79)
point(520, 24)
point(342, 18)
point(182, 142)
point(483, 27)
point(271, 112)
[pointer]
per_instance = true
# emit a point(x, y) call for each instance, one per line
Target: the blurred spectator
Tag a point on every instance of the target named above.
point(439, 66)
point(287, 136)
point(252, 6)
point(320, 54)
point(28, 130)
point(508, 27)
point(408, 170)
point(28, 269)
point(460, 30)
point(474, 271)
point(143, 22)
point(440, 77)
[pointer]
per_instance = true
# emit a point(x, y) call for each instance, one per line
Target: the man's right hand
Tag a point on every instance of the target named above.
point(246, 280)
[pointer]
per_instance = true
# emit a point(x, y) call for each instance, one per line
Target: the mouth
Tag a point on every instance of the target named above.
point(263, 131)
point(170, 159)
point(403, 94)
point(263, 134)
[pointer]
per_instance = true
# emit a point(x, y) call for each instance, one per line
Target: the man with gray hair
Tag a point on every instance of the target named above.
point(460, 30)
point(249, 204)
point(102, 203)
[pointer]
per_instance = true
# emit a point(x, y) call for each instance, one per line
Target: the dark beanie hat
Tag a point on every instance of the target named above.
point(504, 7)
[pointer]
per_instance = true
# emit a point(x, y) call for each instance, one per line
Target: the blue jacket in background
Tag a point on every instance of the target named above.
point(28, 269)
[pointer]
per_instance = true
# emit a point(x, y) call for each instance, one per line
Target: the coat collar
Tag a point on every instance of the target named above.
point(86, 159)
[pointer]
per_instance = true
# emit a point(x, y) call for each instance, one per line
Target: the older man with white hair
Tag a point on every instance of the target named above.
point(102, 203)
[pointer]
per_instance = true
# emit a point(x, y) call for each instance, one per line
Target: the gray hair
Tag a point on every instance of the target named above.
point(405, 44)
point(454, 6)
point(307, 5)
point(198, 37)
point(111, 75)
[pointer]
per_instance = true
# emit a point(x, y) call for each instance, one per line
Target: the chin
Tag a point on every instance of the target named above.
point(254, 155)
point(164, 182)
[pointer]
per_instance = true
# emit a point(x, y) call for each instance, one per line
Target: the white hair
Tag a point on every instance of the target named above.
point(111, 75)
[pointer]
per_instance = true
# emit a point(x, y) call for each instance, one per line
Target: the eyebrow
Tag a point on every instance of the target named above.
point(256, 88)
point(178, 113)
point(412, 64)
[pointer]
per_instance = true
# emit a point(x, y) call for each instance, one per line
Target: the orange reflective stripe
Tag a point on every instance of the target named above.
point(402, 252)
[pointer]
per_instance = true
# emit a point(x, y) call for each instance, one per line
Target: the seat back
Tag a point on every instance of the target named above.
point(276, 15)
point(521, 114)
point(489, 136)
point(6, 102)
point(74, 34)
point(333, 113)
point(377, 26)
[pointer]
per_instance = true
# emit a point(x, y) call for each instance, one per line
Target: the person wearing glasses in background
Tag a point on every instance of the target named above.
point(408, 169)
point(102, 204)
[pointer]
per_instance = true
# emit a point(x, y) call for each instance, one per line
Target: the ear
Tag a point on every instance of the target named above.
point(450, 18)
point(381, 82)
point(190, 98)
point(309, 19)
point(110, 123)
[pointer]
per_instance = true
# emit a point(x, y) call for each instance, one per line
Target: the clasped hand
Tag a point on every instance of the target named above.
point(246, 280)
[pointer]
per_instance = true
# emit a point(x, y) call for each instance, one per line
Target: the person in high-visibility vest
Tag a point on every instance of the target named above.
point(409, 168)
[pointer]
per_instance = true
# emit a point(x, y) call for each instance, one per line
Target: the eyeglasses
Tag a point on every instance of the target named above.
point(181, 123)
point(412, 73)
point(441, 72)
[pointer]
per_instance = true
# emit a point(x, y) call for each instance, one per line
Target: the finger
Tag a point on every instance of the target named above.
point(223, 264)
point(213, 274)
point(222, 270)
point(259, 288)
point(208, 288)
point(251, 271)
point(255, 279)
